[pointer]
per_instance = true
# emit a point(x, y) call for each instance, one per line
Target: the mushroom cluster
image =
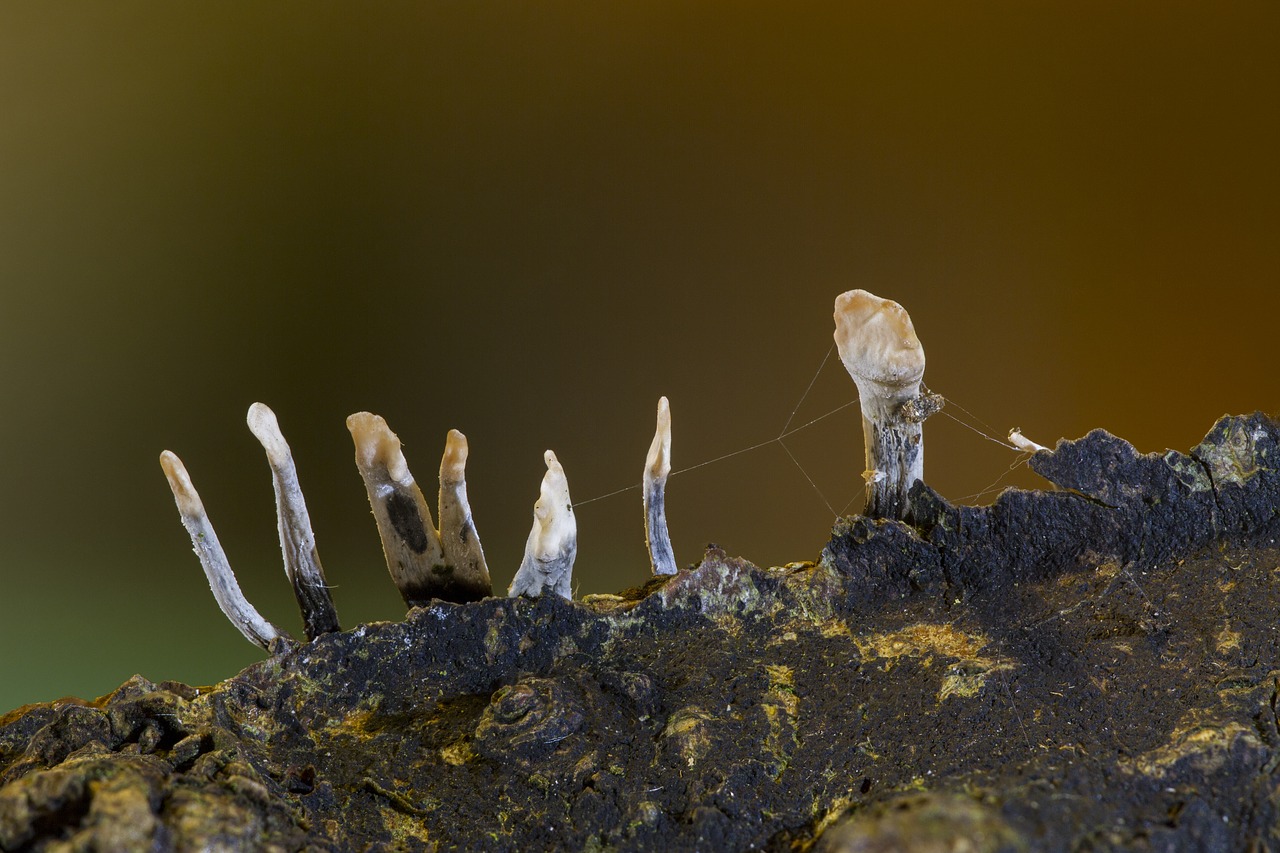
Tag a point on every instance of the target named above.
point(877, 344)
point(424, 562)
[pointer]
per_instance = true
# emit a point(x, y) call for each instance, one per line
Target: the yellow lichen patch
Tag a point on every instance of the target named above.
point(1205, 745)
point(1235, 459)
point(782, 680)
point(607, 603)
point(834, 812)
point(355, 723)
point(731, 625)
point(1227, 640)
point(835, 628)
point(783, 637)
point(407, 831)
point(967, 679)
point(920, 640)
point(457, 753)
point(782, 708)
point(964, 678)
point(686, 734)
point(494, 647)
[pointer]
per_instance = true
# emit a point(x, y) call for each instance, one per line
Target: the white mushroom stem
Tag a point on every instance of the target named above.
point(1020, 441)
point(458, 535)
point(297, 541)
point(657, 467)
point(409, 539)
point(222, 581)
point(879, 348)
point(553, 541)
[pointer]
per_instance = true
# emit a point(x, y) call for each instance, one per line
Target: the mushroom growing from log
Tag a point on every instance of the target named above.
point(222, 581)
point(879, 348)
point(422, 568)
point(458, 535)
point(297, 540)
point(553, 540)
point(657, 467)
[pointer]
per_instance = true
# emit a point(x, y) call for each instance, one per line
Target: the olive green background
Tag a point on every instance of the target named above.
point(529, 220)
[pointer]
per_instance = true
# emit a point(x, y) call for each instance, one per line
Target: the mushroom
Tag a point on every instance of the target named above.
point(458, 535)
point(879, 348)
point(1021, 442)
point(222, 581)
point(297, 541)
point(415, 556)
point(657, 467)
point(553, 541)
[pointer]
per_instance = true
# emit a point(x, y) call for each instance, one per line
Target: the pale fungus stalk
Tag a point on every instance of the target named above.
point(458, 535)
point(414, 556)
point(657, 467)
point(553, 542)
point(297, 540)
point(1020, 441)
point(222, 581)
point(879, 348)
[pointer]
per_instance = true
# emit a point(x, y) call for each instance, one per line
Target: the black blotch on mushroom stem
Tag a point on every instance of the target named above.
point(404, 516)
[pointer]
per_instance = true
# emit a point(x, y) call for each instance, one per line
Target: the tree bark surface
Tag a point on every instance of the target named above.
point(1091, 668)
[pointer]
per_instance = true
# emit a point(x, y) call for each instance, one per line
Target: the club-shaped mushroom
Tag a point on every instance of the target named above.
point(879, 348)
point(222, 581)
point(297, 540)
point(657, 467)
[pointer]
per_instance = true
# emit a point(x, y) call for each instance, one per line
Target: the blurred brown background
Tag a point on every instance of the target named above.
point(528, 221)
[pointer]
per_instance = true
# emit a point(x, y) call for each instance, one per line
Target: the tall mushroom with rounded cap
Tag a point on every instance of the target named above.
point(879, 348)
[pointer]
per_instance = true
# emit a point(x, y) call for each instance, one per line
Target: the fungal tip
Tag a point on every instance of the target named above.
point(376, 445)
point(453, 465)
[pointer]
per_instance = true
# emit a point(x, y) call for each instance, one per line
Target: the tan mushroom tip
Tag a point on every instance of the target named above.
point(876, 339)
point(658, 462)
point(376, 445)
point(184, 492)
point(264, 426)
point(453, 466)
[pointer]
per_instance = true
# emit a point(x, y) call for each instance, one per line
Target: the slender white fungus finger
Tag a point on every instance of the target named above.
point(458, 535)
point(1018, 440)
point(415, 558)
point(553, 541)
point(879, 348)
point(222, 581)
point(657, 467)
point(297, 540)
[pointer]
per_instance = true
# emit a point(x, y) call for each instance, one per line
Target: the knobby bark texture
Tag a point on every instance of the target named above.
point(1091, 668)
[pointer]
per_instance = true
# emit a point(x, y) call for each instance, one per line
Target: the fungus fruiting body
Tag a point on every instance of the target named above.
point(458, 535)
point(553, 541)
point(222, 581)
point(657, 468)
point(297, 540)
point(1020, 441)
point(878, 346)
point(416, 557)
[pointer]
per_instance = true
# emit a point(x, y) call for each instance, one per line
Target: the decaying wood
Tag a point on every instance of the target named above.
point(1092, 668)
